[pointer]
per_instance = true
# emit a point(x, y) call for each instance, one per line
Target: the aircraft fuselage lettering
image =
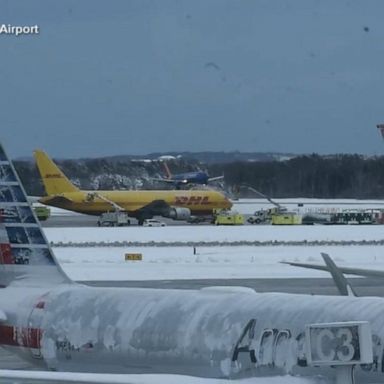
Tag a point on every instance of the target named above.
point(192, 200)
point(268, 349)
point(248, 334)
point(272, 347)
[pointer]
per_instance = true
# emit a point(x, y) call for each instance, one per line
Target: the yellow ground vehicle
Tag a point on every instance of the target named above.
point(42, 212)
point(286, 218)
point(226, 217)
point(113, 219)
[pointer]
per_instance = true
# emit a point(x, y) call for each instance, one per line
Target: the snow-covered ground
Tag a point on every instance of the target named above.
point(228, 261)
point(167, 263)
point(205, 233)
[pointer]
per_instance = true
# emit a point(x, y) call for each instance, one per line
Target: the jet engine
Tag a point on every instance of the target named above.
point(177, 213)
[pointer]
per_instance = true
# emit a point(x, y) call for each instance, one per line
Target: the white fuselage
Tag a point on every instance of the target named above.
point(205, 333)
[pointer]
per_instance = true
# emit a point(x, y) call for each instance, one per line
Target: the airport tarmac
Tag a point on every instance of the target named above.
point(79, 220)
point(74, 220)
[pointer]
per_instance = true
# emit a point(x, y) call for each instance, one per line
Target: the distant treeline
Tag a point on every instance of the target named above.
point(336, 176)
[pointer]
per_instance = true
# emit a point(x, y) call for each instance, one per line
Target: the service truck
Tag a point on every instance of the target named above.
point(263, 216)
point(113, 219)
point(227, 217)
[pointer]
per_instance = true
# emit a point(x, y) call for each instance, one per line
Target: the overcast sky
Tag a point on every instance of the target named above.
point(132, 77)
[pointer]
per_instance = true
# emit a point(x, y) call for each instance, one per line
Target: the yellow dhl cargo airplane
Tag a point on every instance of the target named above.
point(177, 205)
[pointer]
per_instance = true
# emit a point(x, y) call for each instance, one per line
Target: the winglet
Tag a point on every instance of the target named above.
point(340, 280)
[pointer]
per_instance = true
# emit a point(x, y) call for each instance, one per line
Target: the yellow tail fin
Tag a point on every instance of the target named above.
point(55, 182)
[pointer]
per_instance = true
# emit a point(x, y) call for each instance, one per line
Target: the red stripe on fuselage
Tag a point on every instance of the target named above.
point(20, 337)
point(6, 254)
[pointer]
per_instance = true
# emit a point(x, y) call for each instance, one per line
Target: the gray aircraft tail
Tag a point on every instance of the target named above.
point(25, 255)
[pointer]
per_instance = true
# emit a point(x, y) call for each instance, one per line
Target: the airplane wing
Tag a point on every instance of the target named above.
point(54, 200)
point(154, 206)
point(216, 178)
point(170, 181)
point(11, 376)
point(347, 270)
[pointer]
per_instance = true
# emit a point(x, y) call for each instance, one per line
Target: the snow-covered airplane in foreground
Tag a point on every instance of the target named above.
point(216, 332)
